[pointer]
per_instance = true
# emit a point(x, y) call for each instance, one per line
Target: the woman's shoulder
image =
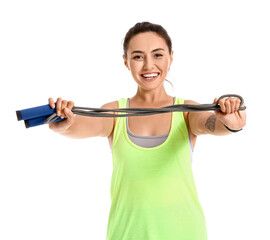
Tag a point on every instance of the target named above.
point(114, 104)
point(190, 102)
point(186, 113)
point(110, 105)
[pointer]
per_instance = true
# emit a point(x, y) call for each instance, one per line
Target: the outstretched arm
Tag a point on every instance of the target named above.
point(213, 122)
point(81, 126)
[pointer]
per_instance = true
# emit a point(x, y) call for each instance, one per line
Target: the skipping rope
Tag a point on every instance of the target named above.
point(45, 114)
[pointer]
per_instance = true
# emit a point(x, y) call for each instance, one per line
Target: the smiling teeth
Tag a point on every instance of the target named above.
point(150, 75)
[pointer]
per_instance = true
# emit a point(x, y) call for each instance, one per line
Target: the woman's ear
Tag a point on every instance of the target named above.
point(125, 62)
point(171, 57)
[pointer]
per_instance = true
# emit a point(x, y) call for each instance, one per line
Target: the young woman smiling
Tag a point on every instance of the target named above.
point(153, 192)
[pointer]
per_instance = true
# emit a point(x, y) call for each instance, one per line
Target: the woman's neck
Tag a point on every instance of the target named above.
point(151, 97)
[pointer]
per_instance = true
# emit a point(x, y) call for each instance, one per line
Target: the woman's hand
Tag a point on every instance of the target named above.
point(63, 110)
point(230, 114)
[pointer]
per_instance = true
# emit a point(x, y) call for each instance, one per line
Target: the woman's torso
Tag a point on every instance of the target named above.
point(152, 189)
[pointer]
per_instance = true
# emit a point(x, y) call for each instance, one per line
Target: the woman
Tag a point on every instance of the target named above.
point(152, 190)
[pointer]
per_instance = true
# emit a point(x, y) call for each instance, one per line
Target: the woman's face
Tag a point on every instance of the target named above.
point(148, 59)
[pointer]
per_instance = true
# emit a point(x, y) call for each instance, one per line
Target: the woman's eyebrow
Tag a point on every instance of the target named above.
point(155, 50)
point(158, 49)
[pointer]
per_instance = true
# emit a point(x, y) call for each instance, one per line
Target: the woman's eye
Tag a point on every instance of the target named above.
point(137, 57)
point(158, 55)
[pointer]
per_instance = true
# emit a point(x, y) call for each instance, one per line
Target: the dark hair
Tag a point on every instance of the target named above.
point(143, 27)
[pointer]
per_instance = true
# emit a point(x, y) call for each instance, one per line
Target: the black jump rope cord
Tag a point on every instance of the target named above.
point(132, 112)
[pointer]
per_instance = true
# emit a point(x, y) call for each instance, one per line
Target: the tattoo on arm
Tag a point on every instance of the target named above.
point(211, 123)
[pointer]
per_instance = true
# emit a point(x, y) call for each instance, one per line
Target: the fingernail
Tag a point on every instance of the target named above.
point(67, 110)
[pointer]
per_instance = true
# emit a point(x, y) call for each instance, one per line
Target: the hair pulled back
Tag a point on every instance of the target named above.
point(143, 27)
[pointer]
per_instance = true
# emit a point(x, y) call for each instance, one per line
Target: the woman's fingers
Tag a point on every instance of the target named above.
point(51, 103)
point(237, 104)
point(63, 106)
point(70, 105)
point(69, 115)
point(66, 108)
point(63, 110)
point(222, 105)
point(58, 106)
point(229, 105)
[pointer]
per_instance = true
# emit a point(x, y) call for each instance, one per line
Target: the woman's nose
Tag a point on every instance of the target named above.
point(148, 63)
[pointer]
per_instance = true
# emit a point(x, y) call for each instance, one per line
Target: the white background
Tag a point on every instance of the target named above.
point(53, 187)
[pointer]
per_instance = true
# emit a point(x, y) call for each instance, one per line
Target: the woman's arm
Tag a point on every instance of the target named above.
point(81, 126)
point(213, 122)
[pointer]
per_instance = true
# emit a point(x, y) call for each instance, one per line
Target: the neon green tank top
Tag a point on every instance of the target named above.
point(153, 191)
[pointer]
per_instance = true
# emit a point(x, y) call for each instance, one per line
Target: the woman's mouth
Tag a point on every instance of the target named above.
point(150, 76)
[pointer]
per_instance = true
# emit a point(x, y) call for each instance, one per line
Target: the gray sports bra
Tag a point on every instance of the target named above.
point(145, 141)
point(150, 141)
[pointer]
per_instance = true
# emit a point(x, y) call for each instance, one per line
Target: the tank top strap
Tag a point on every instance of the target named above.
point(119, 121)
point(179, 119)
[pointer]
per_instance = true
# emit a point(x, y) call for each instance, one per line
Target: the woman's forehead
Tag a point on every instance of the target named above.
point(147, 42)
